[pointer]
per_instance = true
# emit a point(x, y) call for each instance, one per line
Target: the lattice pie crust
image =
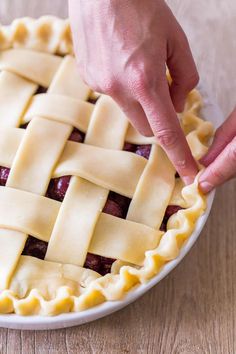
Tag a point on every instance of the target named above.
point(39, 53)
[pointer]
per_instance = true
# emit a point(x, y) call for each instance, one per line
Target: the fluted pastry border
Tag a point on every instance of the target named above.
point(47, 34)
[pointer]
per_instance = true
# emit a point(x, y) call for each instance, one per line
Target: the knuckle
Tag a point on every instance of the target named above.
point(167, 138)
point(140, 85)
point(139, 82)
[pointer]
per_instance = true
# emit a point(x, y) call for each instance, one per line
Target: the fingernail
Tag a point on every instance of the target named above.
point(188, 179)
point(206, 187)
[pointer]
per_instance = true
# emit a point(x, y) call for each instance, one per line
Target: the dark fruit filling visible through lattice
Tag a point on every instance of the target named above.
point(116, 204)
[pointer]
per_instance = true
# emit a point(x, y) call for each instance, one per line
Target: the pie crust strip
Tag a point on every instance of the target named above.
point(158, 179)
point(12, 86)
point(120, 175)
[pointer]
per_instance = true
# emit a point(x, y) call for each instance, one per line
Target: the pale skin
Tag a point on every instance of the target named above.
point(122, 49)
point(220, 161)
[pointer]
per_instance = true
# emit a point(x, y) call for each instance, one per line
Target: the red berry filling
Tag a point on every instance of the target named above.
point(4, 173)
point(122, 201)
point(57, 188)
point(24, 126)
point(113, 208)
point(35, 248)
point(144, 151)
point(93, 100)
point(141, 150)
point(77, 136)
point(99, 264)
point(129, 147)
point(41, 89)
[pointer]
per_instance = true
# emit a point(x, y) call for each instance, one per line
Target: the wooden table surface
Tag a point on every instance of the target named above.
point(193, 310)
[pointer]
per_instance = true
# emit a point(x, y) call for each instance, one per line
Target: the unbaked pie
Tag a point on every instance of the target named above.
point(89, 208)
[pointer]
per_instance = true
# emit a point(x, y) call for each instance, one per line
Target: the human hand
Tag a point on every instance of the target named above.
point(122, 49)
point(221, 157)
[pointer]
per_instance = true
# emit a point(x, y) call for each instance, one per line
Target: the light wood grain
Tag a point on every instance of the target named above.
point(193, 310)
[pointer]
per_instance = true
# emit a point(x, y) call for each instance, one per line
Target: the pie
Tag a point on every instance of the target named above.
point(89, 208)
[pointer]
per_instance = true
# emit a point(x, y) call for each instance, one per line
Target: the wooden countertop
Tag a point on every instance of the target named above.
point(193, 310)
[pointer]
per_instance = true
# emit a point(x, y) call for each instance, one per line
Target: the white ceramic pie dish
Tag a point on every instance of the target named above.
point(210, 111)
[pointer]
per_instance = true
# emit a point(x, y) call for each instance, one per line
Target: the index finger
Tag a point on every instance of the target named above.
point(164, 122)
